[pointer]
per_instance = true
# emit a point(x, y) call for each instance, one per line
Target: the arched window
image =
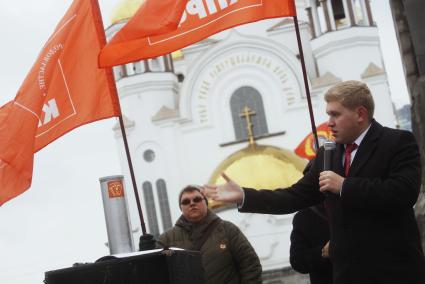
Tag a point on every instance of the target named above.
point(150, 208)
point(248, 97)
point(338, 9)
point(164, 204)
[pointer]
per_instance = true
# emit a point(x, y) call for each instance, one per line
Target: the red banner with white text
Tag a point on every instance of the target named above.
point(63, 90)
point(200, 19)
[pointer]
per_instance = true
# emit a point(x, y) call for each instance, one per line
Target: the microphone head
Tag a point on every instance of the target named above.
point(330, 145)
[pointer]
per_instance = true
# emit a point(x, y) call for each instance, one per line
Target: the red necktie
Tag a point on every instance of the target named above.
point(347, 157)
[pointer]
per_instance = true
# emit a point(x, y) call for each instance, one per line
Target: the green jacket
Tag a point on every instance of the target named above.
point(227, 255)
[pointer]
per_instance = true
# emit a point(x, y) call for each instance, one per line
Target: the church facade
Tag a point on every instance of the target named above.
point(236, 102)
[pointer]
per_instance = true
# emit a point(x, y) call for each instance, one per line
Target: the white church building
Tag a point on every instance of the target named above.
point(186, 114)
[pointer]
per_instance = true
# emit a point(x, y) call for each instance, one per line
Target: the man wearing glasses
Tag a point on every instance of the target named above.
point(227, 256)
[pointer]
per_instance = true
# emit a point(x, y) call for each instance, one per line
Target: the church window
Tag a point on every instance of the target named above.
point(338, 9)
point(248, 97)
point(180, 78)
point(150, 208)
point(164, 204)
point(149, 155)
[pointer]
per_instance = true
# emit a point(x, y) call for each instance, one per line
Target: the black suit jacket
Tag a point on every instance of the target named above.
point(310, 233)
point(374, 235)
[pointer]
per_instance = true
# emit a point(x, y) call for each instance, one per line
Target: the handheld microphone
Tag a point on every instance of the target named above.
point(329, 146)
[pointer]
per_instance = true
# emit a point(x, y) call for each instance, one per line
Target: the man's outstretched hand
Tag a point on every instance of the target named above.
point(229, 192)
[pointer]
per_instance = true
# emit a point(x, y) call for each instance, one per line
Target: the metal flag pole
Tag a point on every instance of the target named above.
point(307, 90)
point(113, 87)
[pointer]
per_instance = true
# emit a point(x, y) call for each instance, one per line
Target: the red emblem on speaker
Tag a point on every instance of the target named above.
point(115, 189)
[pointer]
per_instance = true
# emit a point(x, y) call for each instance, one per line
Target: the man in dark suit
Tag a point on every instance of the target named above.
point(309, 250)
point(309, 245)
point(369, 194)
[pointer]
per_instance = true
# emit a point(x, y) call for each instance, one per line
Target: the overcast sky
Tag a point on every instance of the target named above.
point(59, 220)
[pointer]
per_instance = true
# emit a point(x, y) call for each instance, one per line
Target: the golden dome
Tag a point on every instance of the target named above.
point(125, 10)
point(260, 167)
point(177, 55)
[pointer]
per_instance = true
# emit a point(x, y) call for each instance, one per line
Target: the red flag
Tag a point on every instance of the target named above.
point(63, 90)
point(307, 148)
point(200, 20)
point(152, 18)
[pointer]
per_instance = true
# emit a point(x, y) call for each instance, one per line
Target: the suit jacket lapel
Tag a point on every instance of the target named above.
point(366, 148)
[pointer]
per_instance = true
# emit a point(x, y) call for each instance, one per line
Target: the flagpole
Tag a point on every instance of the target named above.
point(130, 165)
point(307, 90)
point(113, 87)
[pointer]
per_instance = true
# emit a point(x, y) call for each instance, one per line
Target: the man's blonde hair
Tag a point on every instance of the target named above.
point(352, 94)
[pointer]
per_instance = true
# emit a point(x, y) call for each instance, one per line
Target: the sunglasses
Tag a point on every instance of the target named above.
point(187, 201)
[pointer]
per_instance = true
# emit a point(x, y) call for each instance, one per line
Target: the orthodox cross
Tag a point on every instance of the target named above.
point(247, 113)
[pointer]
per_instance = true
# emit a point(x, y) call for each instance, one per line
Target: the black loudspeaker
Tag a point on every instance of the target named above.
point(164, 267)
